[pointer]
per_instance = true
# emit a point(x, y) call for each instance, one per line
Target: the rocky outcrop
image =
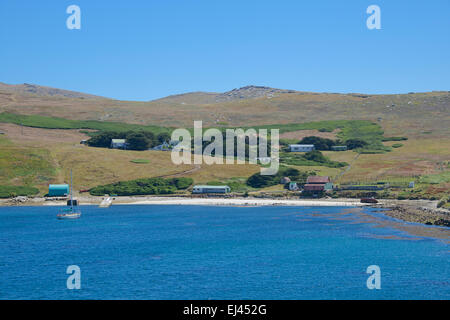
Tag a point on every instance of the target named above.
point(250, 92)
point(420, 215)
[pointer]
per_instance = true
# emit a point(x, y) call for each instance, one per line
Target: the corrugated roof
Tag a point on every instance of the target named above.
point(318, 179)
point(314, 187)
point(212, 187)
point(118, 140)
point(302, 145)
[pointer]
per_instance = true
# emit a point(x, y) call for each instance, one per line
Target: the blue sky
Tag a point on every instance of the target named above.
point(142, 50)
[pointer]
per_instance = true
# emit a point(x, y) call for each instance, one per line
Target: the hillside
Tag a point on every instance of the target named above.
point(414, 114)
point(41, 91)
point(34, 151)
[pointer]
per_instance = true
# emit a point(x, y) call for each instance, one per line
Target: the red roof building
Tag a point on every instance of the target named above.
point(314, 187)
point(317, 180)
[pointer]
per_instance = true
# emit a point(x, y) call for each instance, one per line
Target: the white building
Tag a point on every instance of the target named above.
point(301, 147)
point(211, 189)
point(118, 143)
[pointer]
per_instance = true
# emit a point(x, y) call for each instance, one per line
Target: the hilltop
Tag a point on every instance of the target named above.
point(413, 114)
point(42, 91)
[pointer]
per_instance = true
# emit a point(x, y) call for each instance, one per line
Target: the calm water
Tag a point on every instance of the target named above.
point(197, 252)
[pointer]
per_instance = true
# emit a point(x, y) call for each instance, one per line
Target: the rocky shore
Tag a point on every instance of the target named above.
point(419, 214)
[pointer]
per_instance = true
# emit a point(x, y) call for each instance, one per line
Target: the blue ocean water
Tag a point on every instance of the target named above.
point(202, 252)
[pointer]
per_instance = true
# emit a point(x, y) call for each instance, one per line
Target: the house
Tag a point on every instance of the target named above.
point(314, 187)
point(211, 189)
point(318, 184)
point(118, 143)
point(301, 147)
point(339, 148)
point(293, 186)
point(58, 190)
point(328, 186)
point(317, 180)
point(285, 180)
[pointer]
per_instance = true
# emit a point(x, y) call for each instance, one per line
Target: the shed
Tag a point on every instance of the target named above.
point(301, 147)
point(58, 190)
point(328, 186)
point(118, 143)
point(314, 187)
point(339, 148)
point(293, 186)
point(211, 189)
point(285, 180)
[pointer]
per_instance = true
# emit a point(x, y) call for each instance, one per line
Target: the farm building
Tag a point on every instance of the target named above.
point(339, 148)
point(285, 180)
point(211, 189)
point(58, 190)
point(314, 187)
point(118, 143)
point(317, 180)
point(318, 183)
point(301, 147)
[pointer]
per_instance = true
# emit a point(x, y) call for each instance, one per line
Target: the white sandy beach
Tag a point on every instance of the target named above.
point(246, 202)
point(142, 200)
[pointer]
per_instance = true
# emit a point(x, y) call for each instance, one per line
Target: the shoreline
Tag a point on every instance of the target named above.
point(418, 211)
point(210, 201)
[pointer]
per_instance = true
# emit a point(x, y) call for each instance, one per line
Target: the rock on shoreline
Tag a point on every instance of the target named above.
point(420, 215)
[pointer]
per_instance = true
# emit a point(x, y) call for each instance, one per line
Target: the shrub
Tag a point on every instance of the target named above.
point(14, 191)
point(443, 202)
point(318, 142)
point(143, 187)
point(259, 181)
point(355, 144)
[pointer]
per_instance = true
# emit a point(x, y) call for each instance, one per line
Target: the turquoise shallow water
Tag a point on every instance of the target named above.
point(199, 252)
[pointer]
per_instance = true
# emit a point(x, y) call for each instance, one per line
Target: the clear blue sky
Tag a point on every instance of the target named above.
point(142, 50)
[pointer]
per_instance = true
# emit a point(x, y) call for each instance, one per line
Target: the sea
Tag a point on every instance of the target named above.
point(219, 252)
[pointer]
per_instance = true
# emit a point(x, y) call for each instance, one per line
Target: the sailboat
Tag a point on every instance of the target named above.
point(69, 213)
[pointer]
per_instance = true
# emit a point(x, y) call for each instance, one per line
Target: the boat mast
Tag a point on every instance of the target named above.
point(71, 200)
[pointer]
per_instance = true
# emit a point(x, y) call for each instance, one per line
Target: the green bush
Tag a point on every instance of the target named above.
point(318, 142)
point(385, 139)
point(397, 145)
point(136, 140)
point(443, 201)
point(147, 186)
point(259, 181)
point(313, 158)
point(14, 191)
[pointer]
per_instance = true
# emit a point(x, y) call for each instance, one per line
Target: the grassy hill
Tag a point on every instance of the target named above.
point(35, 151)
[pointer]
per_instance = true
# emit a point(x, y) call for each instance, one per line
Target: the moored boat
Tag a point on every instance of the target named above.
point(72, 212)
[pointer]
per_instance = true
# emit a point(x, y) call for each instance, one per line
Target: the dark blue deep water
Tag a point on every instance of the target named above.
point(200, 252)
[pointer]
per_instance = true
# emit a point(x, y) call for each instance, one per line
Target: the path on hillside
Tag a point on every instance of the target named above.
point(196, 168)
point(348, 167)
